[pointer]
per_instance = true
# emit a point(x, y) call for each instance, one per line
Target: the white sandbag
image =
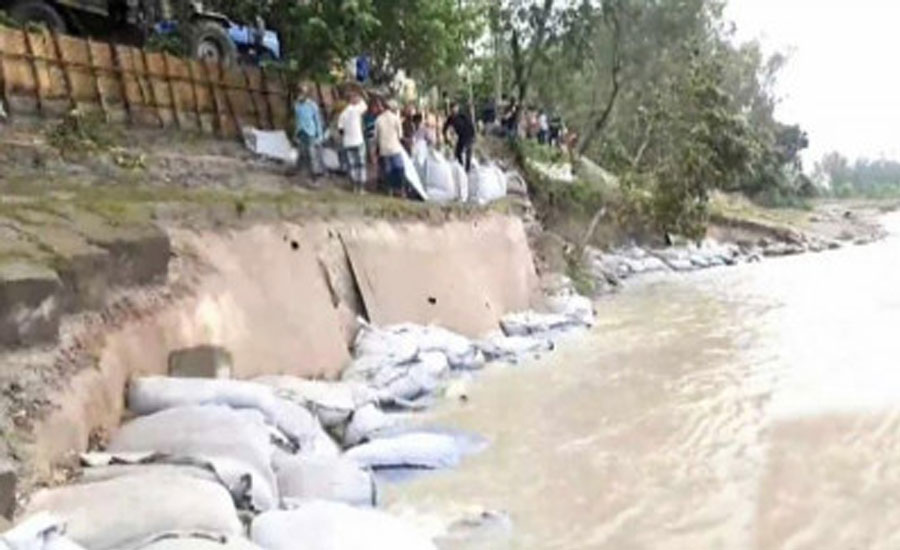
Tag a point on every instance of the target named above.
point(460, 351)
point(320, 525)
point(412, 177)
point(487, 183)
point(336, 479)
point(198, 543)
point(512, 349)
point(366, 422)
point(331, 160)
point(529, 322)
point(270, 144)
point(331, 402)
point(396, 345)
point(416, 450)
point(234, 442)
point(420, 156)
point(438, 178)
point(417, 379)
point(106, 466)
point(151, 394)
point(576, 307)
point(41, 531)
point(461, 181)
point(125, 512)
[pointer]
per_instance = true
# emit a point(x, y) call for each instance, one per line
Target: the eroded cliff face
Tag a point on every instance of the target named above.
point(283, 298)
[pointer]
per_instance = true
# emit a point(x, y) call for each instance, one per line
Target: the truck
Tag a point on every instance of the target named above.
point(210, 35)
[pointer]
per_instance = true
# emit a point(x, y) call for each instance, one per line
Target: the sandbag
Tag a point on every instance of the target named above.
point(512, 349)
point(331, 402)
point(366, 422)
point(127, 512)
point(234, 442)
point(417, 379)
point(412, 177)
point(331, 160)
point(41, 531)
point(197, 543)
point(270, 144)
point(461, 352)
point(487, 183)
point(415, 450)
point(320, 525)
point(529, 322)
point(460, 181)
point(438, 178)
point(335, 479)
point(151, 394)
point(575, 307)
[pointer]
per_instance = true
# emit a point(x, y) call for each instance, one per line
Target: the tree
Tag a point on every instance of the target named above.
point(426, 38)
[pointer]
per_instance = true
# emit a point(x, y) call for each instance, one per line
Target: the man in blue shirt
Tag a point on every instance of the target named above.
point(309, 131)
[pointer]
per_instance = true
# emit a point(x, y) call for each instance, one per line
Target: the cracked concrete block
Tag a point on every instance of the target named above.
point(201, 362)
point(29, 303)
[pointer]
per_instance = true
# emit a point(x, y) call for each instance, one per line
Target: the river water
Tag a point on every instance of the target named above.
point(755, 407)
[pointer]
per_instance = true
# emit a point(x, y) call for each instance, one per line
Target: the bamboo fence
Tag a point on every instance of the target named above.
point(46, 73)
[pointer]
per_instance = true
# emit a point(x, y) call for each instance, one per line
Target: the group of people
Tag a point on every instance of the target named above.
point(379, 134)
point(514, 121)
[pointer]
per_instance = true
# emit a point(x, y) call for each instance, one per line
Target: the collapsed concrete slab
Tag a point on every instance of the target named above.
point(29, 304)
point(463, 275)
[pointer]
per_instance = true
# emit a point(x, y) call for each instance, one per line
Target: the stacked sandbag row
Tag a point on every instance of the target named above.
point(446, 181)
point(224, 464)
point(279, 462)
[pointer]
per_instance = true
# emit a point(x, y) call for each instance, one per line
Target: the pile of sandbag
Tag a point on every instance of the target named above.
point(487, 183)
point(444, 179)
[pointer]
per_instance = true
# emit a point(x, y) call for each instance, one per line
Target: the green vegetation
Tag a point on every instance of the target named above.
point(863, 178)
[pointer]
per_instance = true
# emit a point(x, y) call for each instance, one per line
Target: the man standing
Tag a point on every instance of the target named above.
point(543, 128)
point(309, 131)
point(465, 135)
point(353, 140)
point(388, 131)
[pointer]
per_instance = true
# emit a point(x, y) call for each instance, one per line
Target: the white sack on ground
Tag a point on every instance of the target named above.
point(412, 177)
point(461, 181)
point(366, 422)
point(126, 512)
point(335, 479)
point(438, 178)
point(510, 349)
point(406, 383)
point(320, 525)
point(234, 442)
point(577, 307)
point(331, 160)
point(41, 531)
point(417, 450)
point(270, 144)
point(152, 394)
point(195, 543)
point(331, 402)
point(487, 183)
point(529, 323)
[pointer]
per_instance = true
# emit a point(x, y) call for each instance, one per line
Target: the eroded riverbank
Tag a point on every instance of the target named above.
point(745, 408)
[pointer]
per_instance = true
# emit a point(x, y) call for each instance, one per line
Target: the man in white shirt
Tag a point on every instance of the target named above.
point(353, 140)
point(388, 131)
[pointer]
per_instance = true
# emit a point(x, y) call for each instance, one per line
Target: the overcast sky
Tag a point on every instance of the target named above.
point(842, 83)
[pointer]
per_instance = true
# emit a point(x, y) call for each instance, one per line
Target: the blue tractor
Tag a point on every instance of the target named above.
point(211, 35)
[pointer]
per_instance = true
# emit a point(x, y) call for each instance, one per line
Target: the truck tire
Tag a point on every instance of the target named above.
point(38, 11)
point(210, 42)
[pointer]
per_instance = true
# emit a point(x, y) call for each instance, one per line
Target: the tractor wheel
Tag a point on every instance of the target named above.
point(210, 42)
point(37, 11)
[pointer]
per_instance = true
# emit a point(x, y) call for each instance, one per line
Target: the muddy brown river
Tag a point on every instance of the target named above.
point(755, 407)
